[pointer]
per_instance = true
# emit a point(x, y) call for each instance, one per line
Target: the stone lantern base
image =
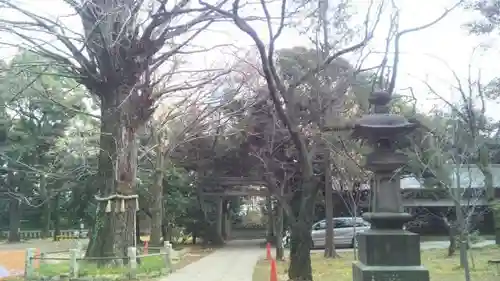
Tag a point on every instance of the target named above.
point(389, 255)
point(387, 273)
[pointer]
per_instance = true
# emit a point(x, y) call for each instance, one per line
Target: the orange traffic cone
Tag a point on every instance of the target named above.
point(274, 273)
point(268, 251)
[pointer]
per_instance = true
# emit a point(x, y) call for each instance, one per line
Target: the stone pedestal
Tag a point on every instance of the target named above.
point(389, 255)
point(386, 252)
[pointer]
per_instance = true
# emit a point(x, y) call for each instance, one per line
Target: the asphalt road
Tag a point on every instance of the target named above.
point(426, 245)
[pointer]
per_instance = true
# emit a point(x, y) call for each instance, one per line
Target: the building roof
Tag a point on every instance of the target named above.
point(470, 177)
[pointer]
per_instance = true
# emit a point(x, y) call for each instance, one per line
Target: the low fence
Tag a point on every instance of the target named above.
point(241, 233)
point(132, 260)
point(37, 234)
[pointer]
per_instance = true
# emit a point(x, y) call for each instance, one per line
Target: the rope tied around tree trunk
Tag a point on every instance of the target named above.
point(122, 199)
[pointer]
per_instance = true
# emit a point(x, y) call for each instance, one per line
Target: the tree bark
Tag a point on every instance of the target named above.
point(270, 220)
point(15, 209)
point(226, 221)
point(138, 240)
point(157, 193)
point(114, 231)
point(46, 216)
point(46, 212)
point(464, 261)
point(280, 251)
point(57, 219)
point(164, 231)
point(300, 268)
point(451, 229)
point(329, 242)
point(219, 240)
point(462, 227)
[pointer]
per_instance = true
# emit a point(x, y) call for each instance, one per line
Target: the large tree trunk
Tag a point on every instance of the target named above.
point(280, 251)
point(300, 246)
point(462, 226)
point(157, 193)
point(138, 240)
point(217, 227)
point(164, 231)
point(44, 194)
point(226, 222)
point(270, 220)
point(329, 242)
point(46, 212)
point(300, 268)
point(15, 209)
point(46, 216)
point(57, 218)
point(280, 219)
point(451, 229)
point(114, 231)
point(463, 232)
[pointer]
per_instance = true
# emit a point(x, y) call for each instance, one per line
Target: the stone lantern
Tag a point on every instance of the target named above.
point(386, 251)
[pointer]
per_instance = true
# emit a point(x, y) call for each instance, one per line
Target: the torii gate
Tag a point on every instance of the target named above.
point(223, 187)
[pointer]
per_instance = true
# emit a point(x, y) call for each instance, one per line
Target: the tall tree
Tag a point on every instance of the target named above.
point(40, 110)
point(270, 140)
point(122, 47)
point(489, 11)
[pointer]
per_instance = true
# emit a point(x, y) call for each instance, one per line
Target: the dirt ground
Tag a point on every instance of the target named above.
point(12, 254)
point(45, 245)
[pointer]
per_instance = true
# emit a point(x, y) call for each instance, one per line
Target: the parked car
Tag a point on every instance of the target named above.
point(81, 234)
point(345, 232)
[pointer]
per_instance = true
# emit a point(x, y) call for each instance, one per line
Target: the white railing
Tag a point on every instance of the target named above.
point(37, 234)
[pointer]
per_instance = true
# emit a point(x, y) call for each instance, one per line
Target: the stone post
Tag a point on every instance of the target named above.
point(29, 268)
point(386, 251)
point(74, 255)
point(43, 255)
point(77, 244)
point(167, 247)
point(132, 262)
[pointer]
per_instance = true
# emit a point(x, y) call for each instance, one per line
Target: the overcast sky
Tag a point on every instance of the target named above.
point(424, 54)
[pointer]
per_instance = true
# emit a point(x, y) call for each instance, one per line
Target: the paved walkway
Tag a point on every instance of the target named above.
point(234, 262)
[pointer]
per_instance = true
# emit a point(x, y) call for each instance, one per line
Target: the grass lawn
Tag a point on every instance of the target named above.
point(426, 238)
point(440, 266)
point(150, 266)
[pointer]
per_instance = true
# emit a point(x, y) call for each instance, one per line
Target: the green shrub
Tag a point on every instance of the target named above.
point(149, 266)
